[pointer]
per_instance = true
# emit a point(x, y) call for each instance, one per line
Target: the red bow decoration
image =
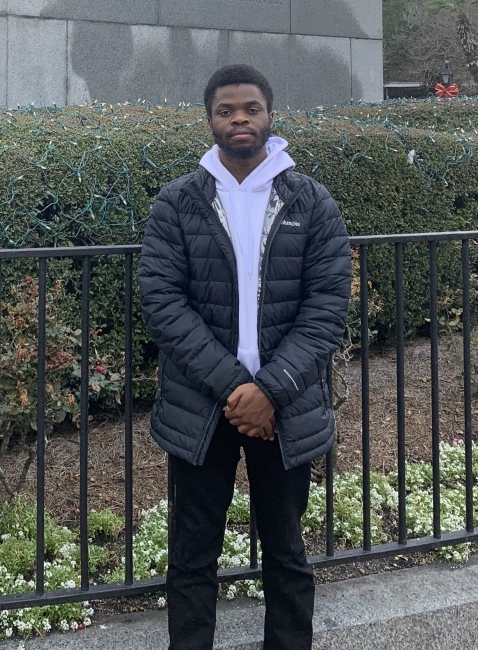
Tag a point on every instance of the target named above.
point(444, 91)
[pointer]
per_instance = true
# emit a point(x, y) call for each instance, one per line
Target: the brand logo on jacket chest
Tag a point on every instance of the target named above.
point(285, 222)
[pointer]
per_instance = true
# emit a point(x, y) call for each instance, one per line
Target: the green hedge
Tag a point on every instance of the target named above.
point(88, 175)
point(431, 114)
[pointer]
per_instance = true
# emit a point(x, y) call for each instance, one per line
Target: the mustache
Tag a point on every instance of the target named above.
point(234, 132)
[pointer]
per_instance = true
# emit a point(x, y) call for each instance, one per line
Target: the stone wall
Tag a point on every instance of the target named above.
point(314, 52)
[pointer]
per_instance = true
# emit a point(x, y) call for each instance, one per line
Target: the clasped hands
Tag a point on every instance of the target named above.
point(251, 412)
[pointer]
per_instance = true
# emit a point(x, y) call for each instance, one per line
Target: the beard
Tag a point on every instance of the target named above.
point(242, 153)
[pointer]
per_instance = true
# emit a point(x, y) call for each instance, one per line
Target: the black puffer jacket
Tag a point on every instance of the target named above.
point(189, 297)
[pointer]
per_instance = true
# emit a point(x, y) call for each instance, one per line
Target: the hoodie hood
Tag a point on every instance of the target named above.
point(260, 179)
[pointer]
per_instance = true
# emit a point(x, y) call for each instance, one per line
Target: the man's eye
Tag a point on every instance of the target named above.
point(225, 113)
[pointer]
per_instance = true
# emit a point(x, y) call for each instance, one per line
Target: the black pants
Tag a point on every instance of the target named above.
point(203, 495)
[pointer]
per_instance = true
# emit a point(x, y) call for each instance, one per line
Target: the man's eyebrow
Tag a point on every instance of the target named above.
point(253, 102)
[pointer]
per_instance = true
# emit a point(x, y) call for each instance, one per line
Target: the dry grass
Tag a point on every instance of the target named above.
point(106, 441)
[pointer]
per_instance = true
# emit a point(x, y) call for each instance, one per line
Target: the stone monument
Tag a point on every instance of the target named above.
point(314, 52)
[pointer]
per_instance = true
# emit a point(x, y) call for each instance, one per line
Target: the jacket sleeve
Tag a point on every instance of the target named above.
point(179, 331)
point(302, 355)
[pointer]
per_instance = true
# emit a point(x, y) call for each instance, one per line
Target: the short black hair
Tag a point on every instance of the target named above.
point(232, 75)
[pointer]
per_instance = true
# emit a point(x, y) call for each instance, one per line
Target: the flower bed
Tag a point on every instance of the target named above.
point(18, 537)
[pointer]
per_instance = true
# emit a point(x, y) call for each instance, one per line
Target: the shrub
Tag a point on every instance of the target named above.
point(19, 370)
point(105, 522)
point(62, 568)
point(88, 175)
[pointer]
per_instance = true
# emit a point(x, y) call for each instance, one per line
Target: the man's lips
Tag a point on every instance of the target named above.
point(241, 135)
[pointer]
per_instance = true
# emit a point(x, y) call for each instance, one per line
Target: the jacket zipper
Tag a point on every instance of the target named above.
point(235, 332)
point(265, 259)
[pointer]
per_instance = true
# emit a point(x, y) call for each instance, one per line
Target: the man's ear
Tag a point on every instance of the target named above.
point(271, 118)
point(209, 121)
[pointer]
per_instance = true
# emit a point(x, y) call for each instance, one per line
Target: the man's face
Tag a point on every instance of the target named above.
point(239, 120)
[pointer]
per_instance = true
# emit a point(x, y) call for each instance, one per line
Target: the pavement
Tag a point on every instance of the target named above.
point(432, 607)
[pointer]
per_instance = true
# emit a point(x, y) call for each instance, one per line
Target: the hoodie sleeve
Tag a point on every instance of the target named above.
point(301, 357)
point(179, 331)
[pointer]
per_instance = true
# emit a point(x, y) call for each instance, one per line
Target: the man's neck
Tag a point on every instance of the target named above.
point(239, 168)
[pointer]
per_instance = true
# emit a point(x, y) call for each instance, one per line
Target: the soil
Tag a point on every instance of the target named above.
point(106, 446)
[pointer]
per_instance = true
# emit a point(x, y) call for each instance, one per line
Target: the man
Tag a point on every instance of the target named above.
point(245, 279)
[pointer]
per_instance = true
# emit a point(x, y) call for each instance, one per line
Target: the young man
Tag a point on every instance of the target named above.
point(245, 280)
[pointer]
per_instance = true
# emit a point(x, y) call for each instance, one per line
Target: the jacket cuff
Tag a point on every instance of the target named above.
point(267, 393)
point(243, 377)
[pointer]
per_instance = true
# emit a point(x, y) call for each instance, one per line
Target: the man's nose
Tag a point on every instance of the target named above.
point(240, 117)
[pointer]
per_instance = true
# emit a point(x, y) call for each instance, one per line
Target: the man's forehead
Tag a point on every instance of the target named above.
point(239, 93)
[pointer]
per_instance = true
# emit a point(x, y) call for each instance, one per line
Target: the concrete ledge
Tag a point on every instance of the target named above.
point(424, 608)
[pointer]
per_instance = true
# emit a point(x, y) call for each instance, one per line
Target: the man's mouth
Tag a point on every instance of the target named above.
point(241, 135)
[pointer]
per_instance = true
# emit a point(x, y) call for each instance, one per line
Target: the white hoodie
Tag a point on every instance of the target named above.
point(245, 206)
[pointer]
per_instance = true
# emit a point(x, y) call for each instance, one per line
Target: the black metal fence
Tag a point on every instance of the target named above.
point(331, 556)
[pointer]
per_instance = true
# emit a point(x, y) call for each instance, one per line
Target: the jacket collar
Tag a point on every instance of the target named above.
point(285, 183)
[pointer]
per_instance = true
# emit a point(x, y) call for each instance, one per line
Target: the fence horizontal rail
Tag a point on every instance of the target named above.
point(332, 557)
point(85, 251)
point(414, 237)
point(66, 251)
point(158, 585)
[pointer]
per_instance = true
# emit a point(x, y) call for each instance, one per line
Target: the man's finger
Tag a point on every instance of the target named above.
point(235, 420)
point(269, 430)
point(249, 431)
point(233, 400)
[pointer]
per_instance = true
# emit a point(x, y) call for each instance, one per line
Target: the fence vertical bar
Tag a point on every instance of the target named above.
point(41, 429)
point(329, 482)
point(364, 343)
point(84, 417)
point(330, 380)
point(253, 561)
point(171, 506)
point(329, 504)
point(1, 293)
point(467, 388)
point(400, 346)
point(128, 404)
point(434, 386)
